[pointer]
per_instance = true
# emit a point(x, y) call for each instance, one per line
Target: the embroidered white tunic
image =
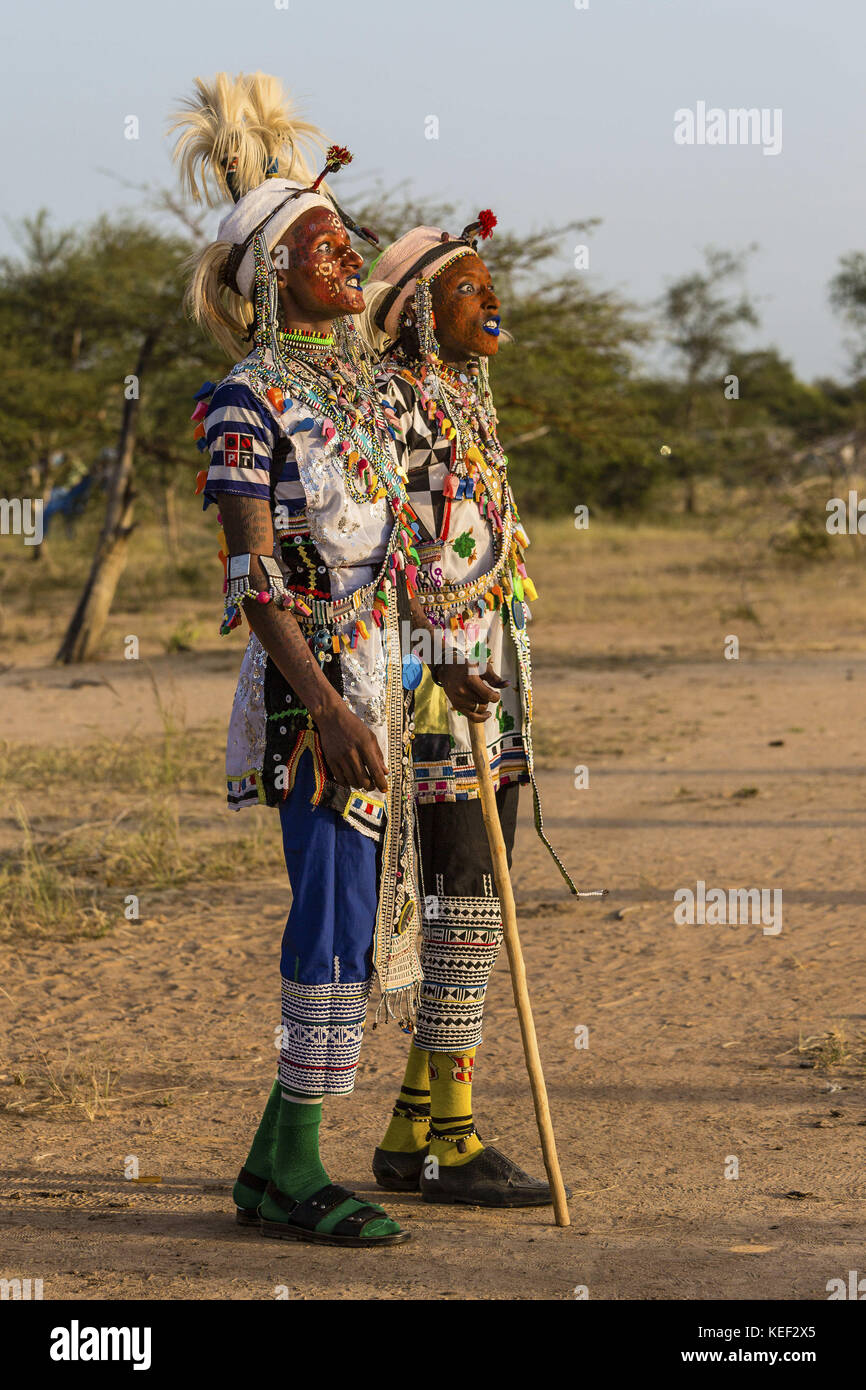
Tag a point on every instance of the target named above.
point(311, 499)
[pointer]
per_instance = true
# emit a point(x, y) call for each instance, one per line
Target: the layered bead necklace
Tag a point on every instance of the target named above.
point(459, 406)
point(339, 387)
point(306, 369)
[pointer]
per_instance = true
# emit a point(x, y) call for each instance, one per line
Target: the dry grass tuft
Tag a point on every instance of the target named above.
point(40, 897)
point(835, 1048)
point(82, 1085)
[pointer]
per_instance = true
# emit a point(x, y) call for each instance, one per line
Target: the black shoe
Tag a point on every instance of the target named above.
point(398, 1172)
point(488, 1180)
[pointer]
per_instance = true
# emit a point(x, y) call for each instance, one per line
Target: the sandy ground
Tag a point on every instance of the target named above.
point(693, 1031)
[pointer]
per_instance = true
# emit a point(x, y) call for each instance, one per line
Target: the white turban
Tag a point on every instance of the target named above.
point(267, 201)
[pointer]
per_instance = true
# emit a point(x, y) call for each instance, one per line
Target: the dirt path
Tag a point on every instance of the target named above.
point(693, 1030)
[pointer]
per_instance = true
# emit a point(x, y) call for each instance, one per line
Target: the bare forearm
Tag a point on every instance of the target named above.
point(249, 530)
point(282, 639)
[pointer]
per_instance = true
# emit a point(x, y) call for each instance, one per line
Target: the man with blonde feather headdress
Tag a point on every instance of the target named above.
point(319, 551)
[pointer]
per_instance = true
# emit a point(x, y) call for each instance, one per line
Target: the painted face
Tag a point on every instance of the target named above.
point(466, 309)
point(322, 279)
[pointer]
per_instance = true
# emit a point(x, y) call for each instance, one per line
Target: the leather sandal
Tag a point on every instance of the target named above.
point(488, 1180)
point(249, 1216)
point(399, 1172)
point(305, 1216)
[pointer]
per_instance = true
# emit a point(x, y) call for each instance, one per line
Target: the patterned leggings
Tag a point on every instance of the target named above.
point(461, 919)
point(326, 958)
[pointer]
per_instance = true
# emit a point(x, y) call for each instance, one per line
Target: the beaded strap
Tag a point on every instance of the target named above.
point(419, 1114)
point(459, 1138)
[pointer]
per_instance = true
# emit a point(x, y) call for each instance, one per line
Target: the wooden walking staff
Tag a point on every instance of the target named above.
point(518, 971)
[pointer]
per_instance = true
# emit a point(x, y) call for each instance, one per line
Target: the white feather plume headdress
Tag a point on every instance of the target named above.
point(235, 132)
point(240, 138)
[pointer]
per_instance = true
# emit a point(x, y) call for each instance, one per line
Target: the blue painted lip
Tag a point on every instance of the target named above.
point(494, 332)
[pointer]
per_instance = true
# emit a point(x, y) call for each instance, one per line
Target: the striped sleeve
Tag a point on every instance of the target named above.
point(241, 436)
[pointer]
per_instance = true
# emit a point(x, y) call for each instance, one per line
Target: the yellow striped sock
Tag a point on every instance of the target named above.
point(407, 1132)
point(451, 1108)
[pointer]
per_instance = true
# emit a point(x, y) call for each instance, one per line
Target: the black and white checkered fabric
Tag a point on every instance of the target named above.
point(429, 454)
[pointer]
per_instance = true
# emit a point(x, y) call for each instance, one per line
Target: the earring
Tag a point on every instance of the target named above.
point(425, 321)
point(266, 297)
point(350, 346)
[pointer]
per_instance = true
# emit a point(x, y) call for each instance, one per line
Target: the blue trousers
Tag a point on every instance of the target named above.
point(326, 958)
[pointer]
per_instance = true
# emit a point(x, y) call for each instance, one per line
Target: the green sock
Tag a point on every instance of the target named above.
point(410, 1122)
point(298, 1170)
point(261, 1155)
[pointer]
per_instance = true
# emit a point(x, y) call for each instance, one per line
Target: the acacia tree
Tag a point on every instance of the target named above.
point(848, 298)
point(87, 624)
point(575, 418)
point(703, 314)
point(129, 281)
point(52, 408)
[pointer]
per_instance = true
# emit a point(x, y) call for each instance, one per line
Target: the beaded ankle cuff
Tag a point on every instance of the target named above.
point(418, 1113)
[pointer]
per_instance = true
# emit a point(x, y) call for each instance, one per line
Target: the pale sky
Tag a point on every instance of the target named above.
point(546, 112)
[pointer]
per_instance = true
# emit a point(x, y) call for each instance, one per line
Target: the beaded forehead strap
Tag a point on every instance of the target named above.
point(336, 158)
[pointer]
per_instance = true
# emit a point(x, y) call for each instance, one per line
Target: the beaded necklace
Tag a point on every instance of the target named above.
point(338, 386)
point(475, 444)
point(456, 408)
point(460, 407)
point(298, 338)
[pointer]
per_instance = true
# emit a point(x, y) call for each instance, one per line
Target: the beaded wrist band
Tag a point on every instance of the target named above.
point(238, 588)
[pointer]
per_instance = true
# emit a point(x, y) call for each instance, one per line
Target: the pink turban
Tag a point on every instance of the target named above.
point(393, 276)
